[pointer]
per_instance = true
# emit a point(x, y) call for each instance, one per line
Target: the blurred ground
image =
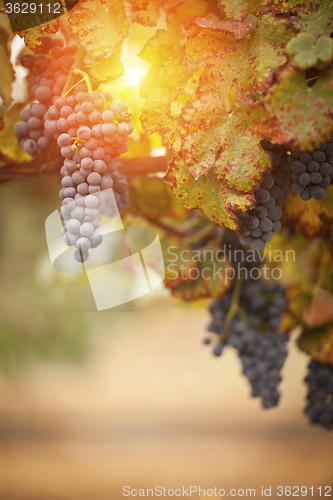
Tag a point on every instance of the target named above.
point(153, 407)
point(149, 406)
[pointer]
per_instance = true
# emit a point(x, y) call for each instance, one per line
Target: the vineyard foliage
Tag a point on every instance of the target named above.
point(223, 75)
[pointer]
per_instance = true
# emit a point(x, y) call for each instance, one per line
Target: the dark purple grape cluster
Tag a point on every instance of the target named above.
point(258, 225)
point(312, 172)
point(320, 394)
point(91, 133)
point(254, 333)
point(48, 72)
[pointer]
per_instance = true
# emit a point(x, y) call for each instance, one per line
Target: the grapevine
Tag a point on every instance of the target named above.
point(239, 101)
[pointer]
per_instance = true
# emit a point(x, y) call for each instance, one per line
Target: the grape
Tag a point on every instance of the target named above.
point(325, 169)
point(30, 147)
point(86, 230)
point(77, 213)
point(107, 116)
point(67, 182)
point(85, 153)
point(83, 244)
point(66, 111)
point(297, 188)
point(84, 133)
point(21, 130)
point(91, 201)
point(266, 225)
point(43, 143)
point(262, 350)
point(305, 158)
point(73, 225)
point(96, 239)
point(262, 195)
point(267, 182)
point(320, 394)
point(43, 94)
point(95, 117)
point(298, 167)
point(81, 256)
point(78, 178)
point(100, 167)
point(106, 182)
point(63, 140)
point(261, 212)
point(38, 110)
point(94, 178)
point(326, 181)
point(305, 178)
point(269, 204)
point(252, 222)
point(306, 195)
point(318, 156)
point(67, 151)
point(317, 192)
point(268, 236)
point(313, 166)
point(91, 212)
point(27, 61)
point(34, 123)
point(92, 144)
point(316, 178)
point(70, 192)
point(70, 165)
point(70, 239)
point(258, 244)
point(83, 188)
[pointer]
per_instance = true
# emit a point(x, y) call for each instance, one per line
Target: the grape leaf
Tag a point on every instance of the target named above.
point(216, 200)
point(171, 82)
point(8, 74)
point(100, 26)
point(320, 310)
point(33, 36)
point(196, 274)
point(107, 67)
point(229, 147)
point(158, 48)
point(238, 30)
point(312, 218)
point(9, 149)
point(153, 198)
point(317, 19)
point(144, 12)
point(304, 113)
point(266, 51)
point(239, 9)
point(318, 343)
point(306, 52)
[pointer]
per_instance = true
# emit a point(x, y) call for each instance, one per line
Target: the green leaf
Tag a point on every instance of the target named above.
point(318, 342)
point(99, 26)
point(229, 147)
point(9, 148)
point(153, 198)
point(306, 52)
point(158, 48)
point(8, 75)
point(196, 274)
point(239, 9)
point(305, 114)
point(107, 67)
point(316, 19)
point(171, 83)
point(216, 200)
point(266, 51)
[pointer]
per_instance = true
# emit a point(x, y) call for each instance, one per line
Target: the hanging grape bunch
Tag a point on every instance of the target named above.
point(312, 172)
point(91, 132)
point(248, 319)
point(320, 394)
point(258, 225)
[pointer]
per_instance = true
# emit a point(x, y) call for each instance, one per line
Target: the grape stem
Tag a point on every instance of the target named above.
point(77, 64)
point(85, 77)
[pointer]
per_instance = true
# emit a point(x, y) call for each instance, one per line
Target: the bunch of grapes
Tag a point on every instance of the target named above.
point(258, 225)
point(312, 172)
point(48, 72)
point(254, 333)
point(320, 394)
point(91, 133)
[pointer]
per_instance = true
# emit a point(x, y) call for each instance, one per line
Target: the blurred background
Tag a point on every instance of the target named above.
point(91, 402)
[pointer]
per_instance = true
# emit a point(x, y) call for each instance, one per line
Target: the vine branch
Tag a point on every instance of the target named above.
point(49, 168)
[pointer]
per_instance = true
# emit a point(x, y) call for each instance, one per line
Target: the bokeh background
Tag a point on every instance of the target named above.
point(91, 402)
